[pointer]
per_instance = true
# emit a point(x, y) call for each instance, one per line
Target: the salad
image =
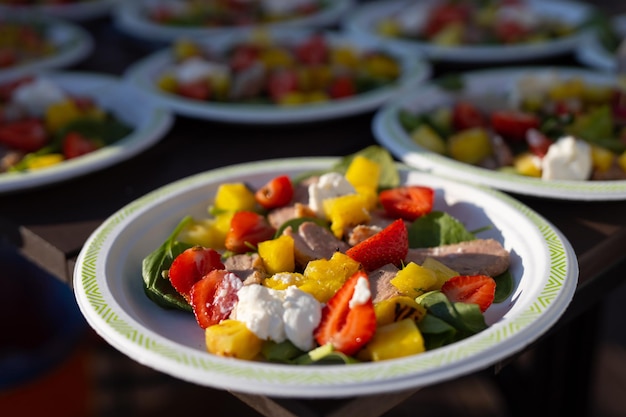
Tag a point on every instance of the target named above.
point(265, 70)
point(42, 125)
point(343, 266)
point(473, 22)
point(229, 13)
point(22, 42)
point(550, 126)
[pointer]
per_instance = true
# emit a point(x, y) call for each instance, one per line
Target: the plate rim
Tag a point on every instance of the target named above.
point(388, 132)
point(160, 122)
point(475, 54)
point(139, 344)
point(142, 72)
point(75, 12)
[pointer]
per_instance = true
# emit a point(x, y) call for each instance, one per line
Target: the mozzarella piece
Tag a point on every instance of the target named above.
point(329, 185)
point(197, 68)
point(567, 159)
point(36, 96)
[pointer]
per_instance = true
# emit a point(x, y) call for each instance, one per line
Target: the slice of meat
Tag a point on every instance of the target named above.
point(314, 242)
point(380, 284)
point(247, 266)
point(474, 257)
point(279, 216)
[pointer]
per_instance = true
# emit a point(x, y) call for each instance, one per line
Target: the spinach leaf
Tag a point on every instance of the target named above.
point(156, 285)
point(436, 332)
point(106, 131)
point(280, 352)
point(504, 286)
point(435, 229)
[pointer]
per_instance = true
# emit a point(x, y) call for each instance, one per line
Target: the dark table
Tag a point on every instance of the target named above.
point(50, 225)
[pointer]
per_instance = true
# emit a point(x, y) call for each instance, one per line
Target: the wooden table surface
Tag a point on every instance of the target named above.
point(49, 225)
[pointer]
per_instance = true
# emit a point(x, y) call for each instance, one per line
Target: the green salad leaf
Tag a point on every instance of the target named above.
point(435, 229)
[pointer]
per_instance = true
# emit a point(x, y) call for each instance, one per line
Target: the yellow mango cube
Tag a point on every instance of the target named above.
point(398, 308)
point(277, 254)
point(394, 340)
point(167, 82)
point(470, 146)
point(345, 211)
point(59, 114)
point(442, 272)
point(621, 161)
point(43, 161)
point(526, 164)
point(601, 158)
point(233, 339)
point(426, 137)
point(363, 172)
point(283, 280)
point(323, 277)
point(209, 233)
point(388, 27)
point(414, 280)
point(234, 197)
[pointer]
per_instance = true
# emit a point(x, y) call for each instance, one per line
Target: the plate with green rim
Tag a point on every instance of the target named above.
point(109, 290)
point(390, 133)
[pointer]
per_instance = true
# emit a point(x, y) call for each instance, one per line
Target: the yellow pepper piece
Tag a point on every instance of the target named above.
point(572, 88)
point(398, 308)
point(293, 98)
point(43, 161)
point(470, 146)
point(274, 57)
point(414, 280)
point(167, 82)
point(345, 211)
point(382, 66)
point(389, 28)
point(63, 112)
point(233, 339)
point(395, 340)
point(234, 197)
point(363, 172)
point(450, 35)
point(277, 254)
point(345, 56)
point(184, 49)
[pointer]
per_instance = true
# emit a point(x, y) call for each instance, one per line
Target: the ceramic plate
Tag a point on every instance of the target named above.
point(72, 44)
point(76, 10)
point(364, 19)
point(109, 289)
point(389, 132)
point(145, 73)
point(150, 122)
point(130, 16)
point(594, 54)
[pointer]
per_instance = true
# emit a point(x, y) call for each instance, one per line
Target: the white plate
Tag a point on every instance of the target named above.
point(73, 43)
point(389, 133)
point(130, 16)
point(76, 11)
point(149, 121)
point(593, 53)
point(145, 73)
point(363, 21)
point(109, 291)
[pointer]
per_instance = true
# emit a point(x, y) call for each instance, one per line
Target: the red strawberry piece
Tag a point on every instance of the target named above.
point(472, 289)
point(408, 202)
point(247, 230)
point(389, 246)
point(190, 266)
point(214, 297)
point(347, 326)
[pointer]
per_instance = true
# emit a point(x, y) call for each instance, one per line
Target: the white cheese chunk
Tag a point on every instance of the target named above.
point(567, 159)
point(362, 293)
point(197, 68)
point(36, 96)
point(328, 186)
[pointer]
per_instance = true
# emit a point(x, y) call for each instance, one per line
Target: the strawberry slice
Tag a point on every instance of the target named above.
point(472, 289)
point(190, 266)
point(247, 230)
point(408, 202)
point(389, 246)
point(345, 324)
point(214, 297)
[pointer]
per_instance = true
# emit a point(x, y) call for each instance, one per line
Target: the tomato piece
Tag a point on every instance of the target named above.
point(538, 143)
point(244, 56)
point(27, 135)
point(471, 289)
point(190, 266)
point(75, 144)
point(282, 82)
point(341, 87)
point(213, 297)
point(313, 51)
point(347, 326)
point(466, 116)
point(247, 230)
point(8, 57)
point(7, 88)
point(277, 192)
point(510, 31)
point(407, 202)
point(512, 124)
point(389, 246)
point(444, 15)
point(196, 90)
